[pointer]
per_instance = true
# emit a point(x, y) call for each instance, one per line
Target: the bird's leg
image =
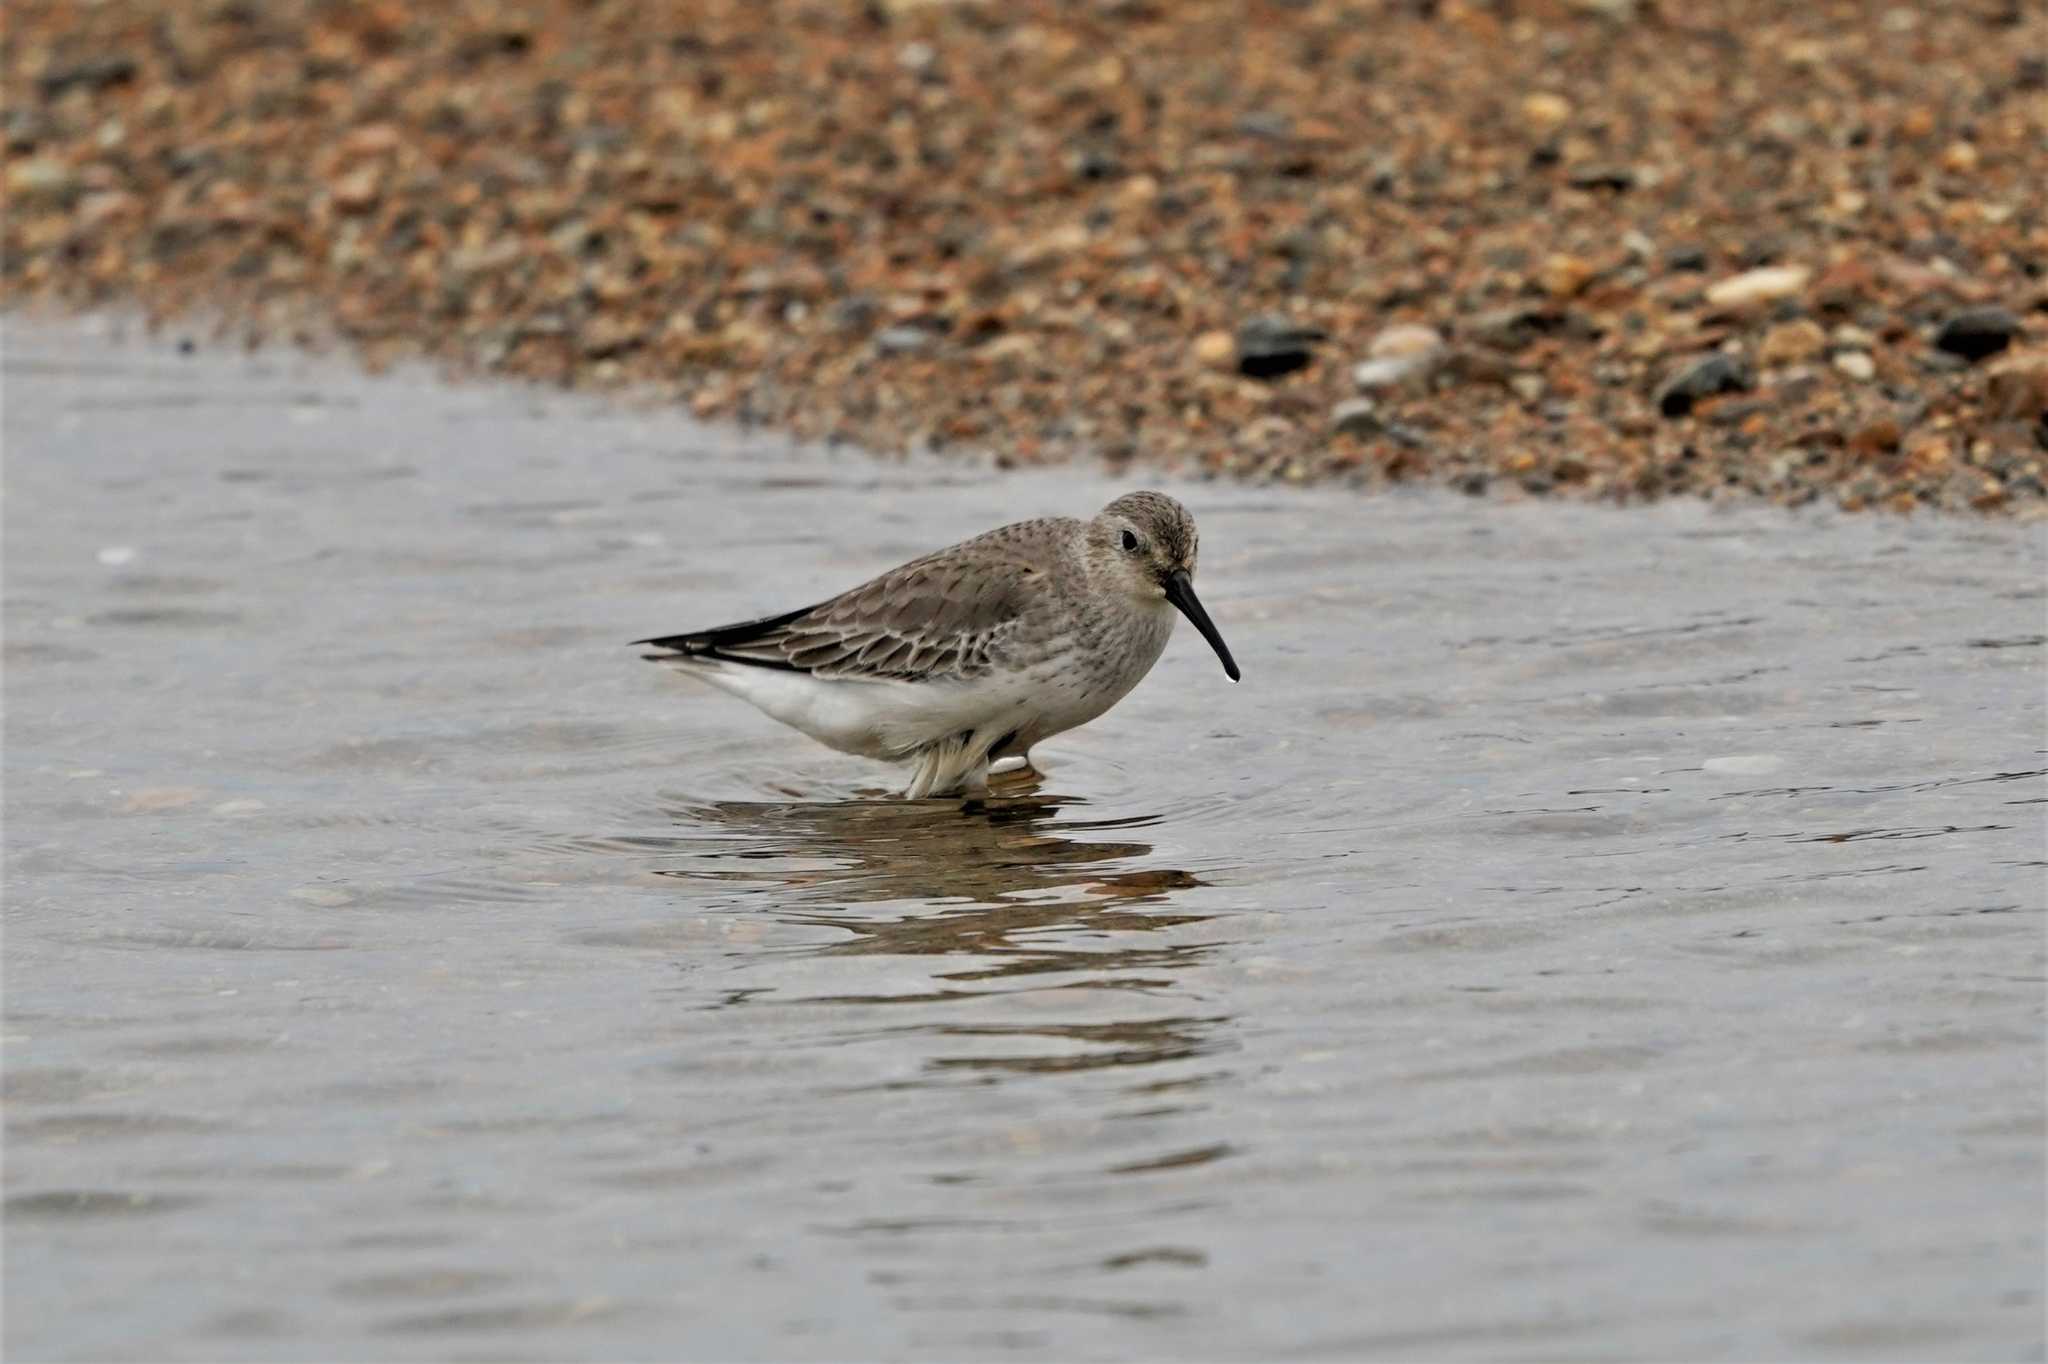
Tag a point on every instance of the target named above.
point(925, 775)
point(975, 783)
point(948, 766)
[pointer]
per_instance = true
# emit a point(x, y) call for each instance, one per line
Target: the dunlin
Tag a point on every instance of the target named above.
point(977, 652)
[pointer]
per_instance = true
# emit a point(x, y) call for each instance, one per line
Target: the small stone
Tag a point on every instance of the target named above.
point(1266, 124)
point(1511, 328)
point(902, 340)
point(1880, 437)
point(372, 139)
point(115, 556)
point(607, 336)
point(1767, 284)
point(1545, 112)
point(42, 179)
point(1406, 339)
point(1959, 158)
point(357, 191)
point(1355, 417)
point(1977, 332)
point(95, 210)
point(1792, 343)
point(1527, 387)
point(1699, 378)
point(1687, 256)
point(1563, 276)
point(1268, 347)
point(93, 73)
point(1620, 179)
point(1215, 349)
point(1929, 452)
point(1857, 365)
point(2019, 392)
point(1399, 353)
point(1370, 376)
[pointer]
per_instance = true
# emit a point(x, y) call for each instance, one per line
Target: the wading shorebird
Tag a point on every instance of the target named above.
point(975, 653)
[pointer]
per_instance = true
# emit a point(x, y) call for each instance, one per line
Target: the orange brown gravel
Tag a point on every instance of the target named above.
point(1040, 229)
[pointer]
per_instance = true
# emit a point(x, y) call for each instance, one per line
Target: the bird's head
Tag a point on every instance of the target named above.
point(1144, 544)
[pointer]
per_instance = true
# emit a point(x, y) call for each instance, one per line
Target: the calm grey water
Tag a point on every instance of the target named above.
point(1591, 934)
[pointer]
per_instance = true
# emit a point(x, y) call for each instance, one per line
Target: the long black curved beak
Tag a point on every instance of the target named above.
point(1180, 590)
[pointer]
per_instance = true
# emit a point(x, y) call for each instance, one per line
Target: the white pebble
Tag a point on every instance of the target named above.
point(1759, 286)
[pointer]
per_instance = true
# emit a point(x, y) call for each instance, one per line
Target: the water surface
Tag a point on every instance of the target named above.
point(1584, 933)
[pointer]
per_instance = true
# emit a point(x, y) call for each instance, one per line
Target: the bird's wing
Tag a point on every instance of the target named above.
point(940, 616)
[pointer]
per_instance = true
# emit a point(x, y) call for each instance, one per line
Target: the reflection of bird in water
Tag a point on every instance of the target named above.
point(1004, 882)
point(987, 877)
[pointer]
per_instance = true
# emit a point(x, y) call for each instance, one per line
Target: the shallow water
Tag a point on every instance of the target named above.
point(1584, 933)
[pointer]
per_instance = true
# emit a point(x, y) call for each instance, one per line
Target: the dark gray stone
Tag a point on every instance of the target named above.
point(1698, 378)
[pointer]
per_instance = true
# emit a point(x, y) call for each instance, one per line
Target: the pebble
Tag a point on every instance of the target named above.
point(1545, 111)
point(1702, 377)
point(1510, 328)
point(1355, 417)
point(1564, 276)
point(1372, 376)
point(1268, 347)
point(1929, 452)
point(1620, 179)
point(1399, 353)
point(1857, 365)
point(1880, 437)
point(2019, 392)
point(1977, 333)
point(358, 191)
point(1767, 284)
point(902, 340)
point(92, 73)
point(1792, 343)
point(1215, 349)
point(40, 179)
point(1687, 257)
point(1095, 243)
point(1406, 340)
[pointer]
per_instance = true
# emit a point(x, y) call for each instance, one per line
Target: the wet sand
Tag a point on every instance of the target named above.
point(1583, 933)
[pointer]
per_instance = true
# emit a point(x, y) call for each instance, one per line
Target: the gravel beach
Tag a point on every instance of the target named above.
point(1592, 248)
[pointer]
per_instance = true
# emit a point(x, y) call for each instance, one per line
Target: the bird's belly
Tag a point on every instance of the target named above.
point(853, 717)
point(1070, 690)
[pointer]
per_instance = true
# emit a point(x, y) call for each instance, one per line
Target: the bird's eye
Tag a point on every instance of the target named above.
point(1130, 543)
